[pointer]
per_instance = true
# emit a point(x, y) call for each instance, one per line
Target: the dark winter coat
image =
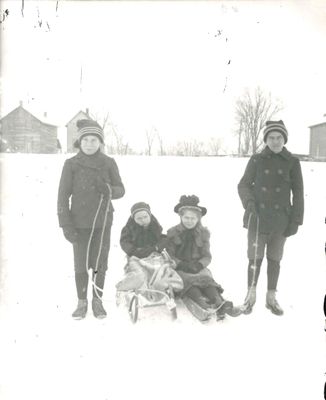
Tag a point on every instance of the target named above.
point(186, 246)
point(79, 194)
point(179, 250)
point(135, 239)
point(274, 182)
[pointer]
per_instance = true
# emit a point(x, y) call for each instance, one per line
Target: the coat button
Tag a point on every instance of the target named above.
point(266, 171)
point(277, 207)
point(264, 189)
point(280, 171)
point(262, 205)
point(278, 189)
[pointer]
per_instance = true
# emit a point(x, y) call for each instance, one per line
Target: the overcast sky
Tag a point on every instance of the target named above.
point(175, 66)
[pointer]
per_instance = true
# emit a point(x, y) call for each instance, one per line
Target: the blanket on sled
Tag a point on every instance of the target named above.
point(153, 273)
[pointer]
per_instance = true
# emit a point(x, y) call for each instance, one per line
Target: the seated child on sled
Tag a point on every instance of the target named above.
point(188, 244)
point(148, 267)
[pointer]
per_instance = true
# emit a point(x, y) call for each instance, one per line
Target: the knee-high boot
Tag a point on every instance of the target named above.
point(253, 275)
point(273, 272)
point(81, 280)
point(98, 285)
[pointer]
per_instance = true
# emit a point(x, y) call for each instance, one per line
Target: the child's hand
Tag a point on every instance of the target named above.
point(103, 187)
point(70, 234)
point(183, 266)
point(195, 266)
point(142, 252)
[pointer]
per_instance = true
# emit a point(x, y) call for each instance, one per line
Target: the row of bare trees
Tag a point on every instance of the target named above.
point(252, 110)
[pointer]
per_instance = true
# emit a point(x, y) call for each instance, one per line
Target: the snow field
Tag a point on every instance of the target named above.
point(46, 354)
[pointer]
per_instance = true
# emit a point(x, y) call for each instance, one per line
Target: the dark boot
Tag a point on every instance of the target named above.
point(98, 283)
point(81, 279)
point(272, 304)
point(273, 273)
point(98, 309)
point(228, 308)
point(81, 309)
point(254, 271)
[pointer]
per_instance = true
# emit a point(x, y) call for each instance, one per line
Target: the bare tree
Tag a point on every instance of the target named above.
point(252, 112)
point(150, 136)
point(161, 144)
point(215, 145)
point(189, 148)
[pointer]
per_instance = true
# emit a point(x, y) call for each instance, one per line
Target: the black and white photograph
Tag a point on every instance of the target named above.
point(162, 199)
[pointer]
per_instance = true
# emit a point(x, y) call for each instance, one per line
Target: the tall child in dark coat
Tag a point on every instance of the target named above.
point(189, 245)
point(271, 191)
point(142, 235)
point(88, 182)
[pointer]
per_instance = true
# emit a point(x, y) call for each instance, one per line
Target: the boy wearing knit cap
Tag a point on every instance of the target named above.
point(89, 181)
point(271, 191)
point(142, 234)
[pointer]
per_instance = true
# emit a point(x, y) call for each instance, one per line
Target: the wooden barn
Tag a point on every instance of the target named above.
point(72, 130)
point(22, 132)
point(317, 147)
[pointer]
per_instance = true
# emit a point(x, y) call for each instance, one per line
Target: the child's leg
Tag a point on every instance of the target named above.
point(81, 280)
point(213, 295)
point(98, 286)
point(195, 294)
point(81, 272)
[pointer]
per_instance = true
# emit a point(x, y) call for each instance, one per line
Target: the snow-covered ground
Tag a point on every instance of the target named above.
point(45, 354)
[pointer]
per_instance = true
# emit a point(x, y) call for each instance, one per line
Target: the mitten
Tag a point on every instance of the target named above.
point(162, 243)
point(251, 208)
point(142, 252)
point(70, 234)
point(103, 187)
point(195, 266)
point(183, 266)
point(291, 229)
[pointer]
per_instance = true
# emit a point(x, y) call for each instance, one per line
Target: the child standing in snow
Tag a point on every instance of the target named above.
point(271, 191)
point(88, 182)
point(188, 244)
point(142, 235)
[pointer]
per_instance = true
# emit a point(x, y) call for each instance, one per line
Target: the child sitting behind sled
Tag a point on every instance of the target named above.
point(188, 244)
point(142, 240)
point(142, 235)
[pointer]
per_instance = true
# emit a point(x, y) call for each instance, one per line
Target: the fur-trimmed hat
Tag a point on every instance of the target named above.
point(141, 206)
point(278, 126)
point(88, 127)
point(189, 203)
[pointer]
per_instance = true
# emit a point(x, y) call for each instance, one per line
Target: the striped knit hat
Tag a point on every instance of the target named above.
point(141, 206)
point(88, 127)
point(278, 126)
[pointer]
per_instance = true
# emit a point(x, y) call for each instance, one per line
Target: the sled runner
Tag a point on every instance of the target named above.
point(201, 313)
point(149, 282)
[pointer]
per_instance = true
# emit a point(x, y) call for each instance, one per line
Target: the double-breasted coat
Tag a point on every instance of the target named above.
point(273, 181)
point(79, 197)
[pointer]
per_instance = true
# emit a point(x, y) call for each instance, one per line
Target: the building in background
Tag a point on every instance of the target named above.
point(22, 132)
point(317, 146)
point(72, 129)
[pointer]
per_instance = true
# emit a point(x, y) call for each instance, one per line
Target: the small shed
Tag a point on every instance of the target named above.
point(22, 132)
point(317, 147)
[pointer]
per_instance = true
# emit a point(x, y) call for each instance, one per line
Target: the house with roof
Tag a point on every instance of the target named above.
point(23, 132)
point(317, 145)
point(72, 129)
